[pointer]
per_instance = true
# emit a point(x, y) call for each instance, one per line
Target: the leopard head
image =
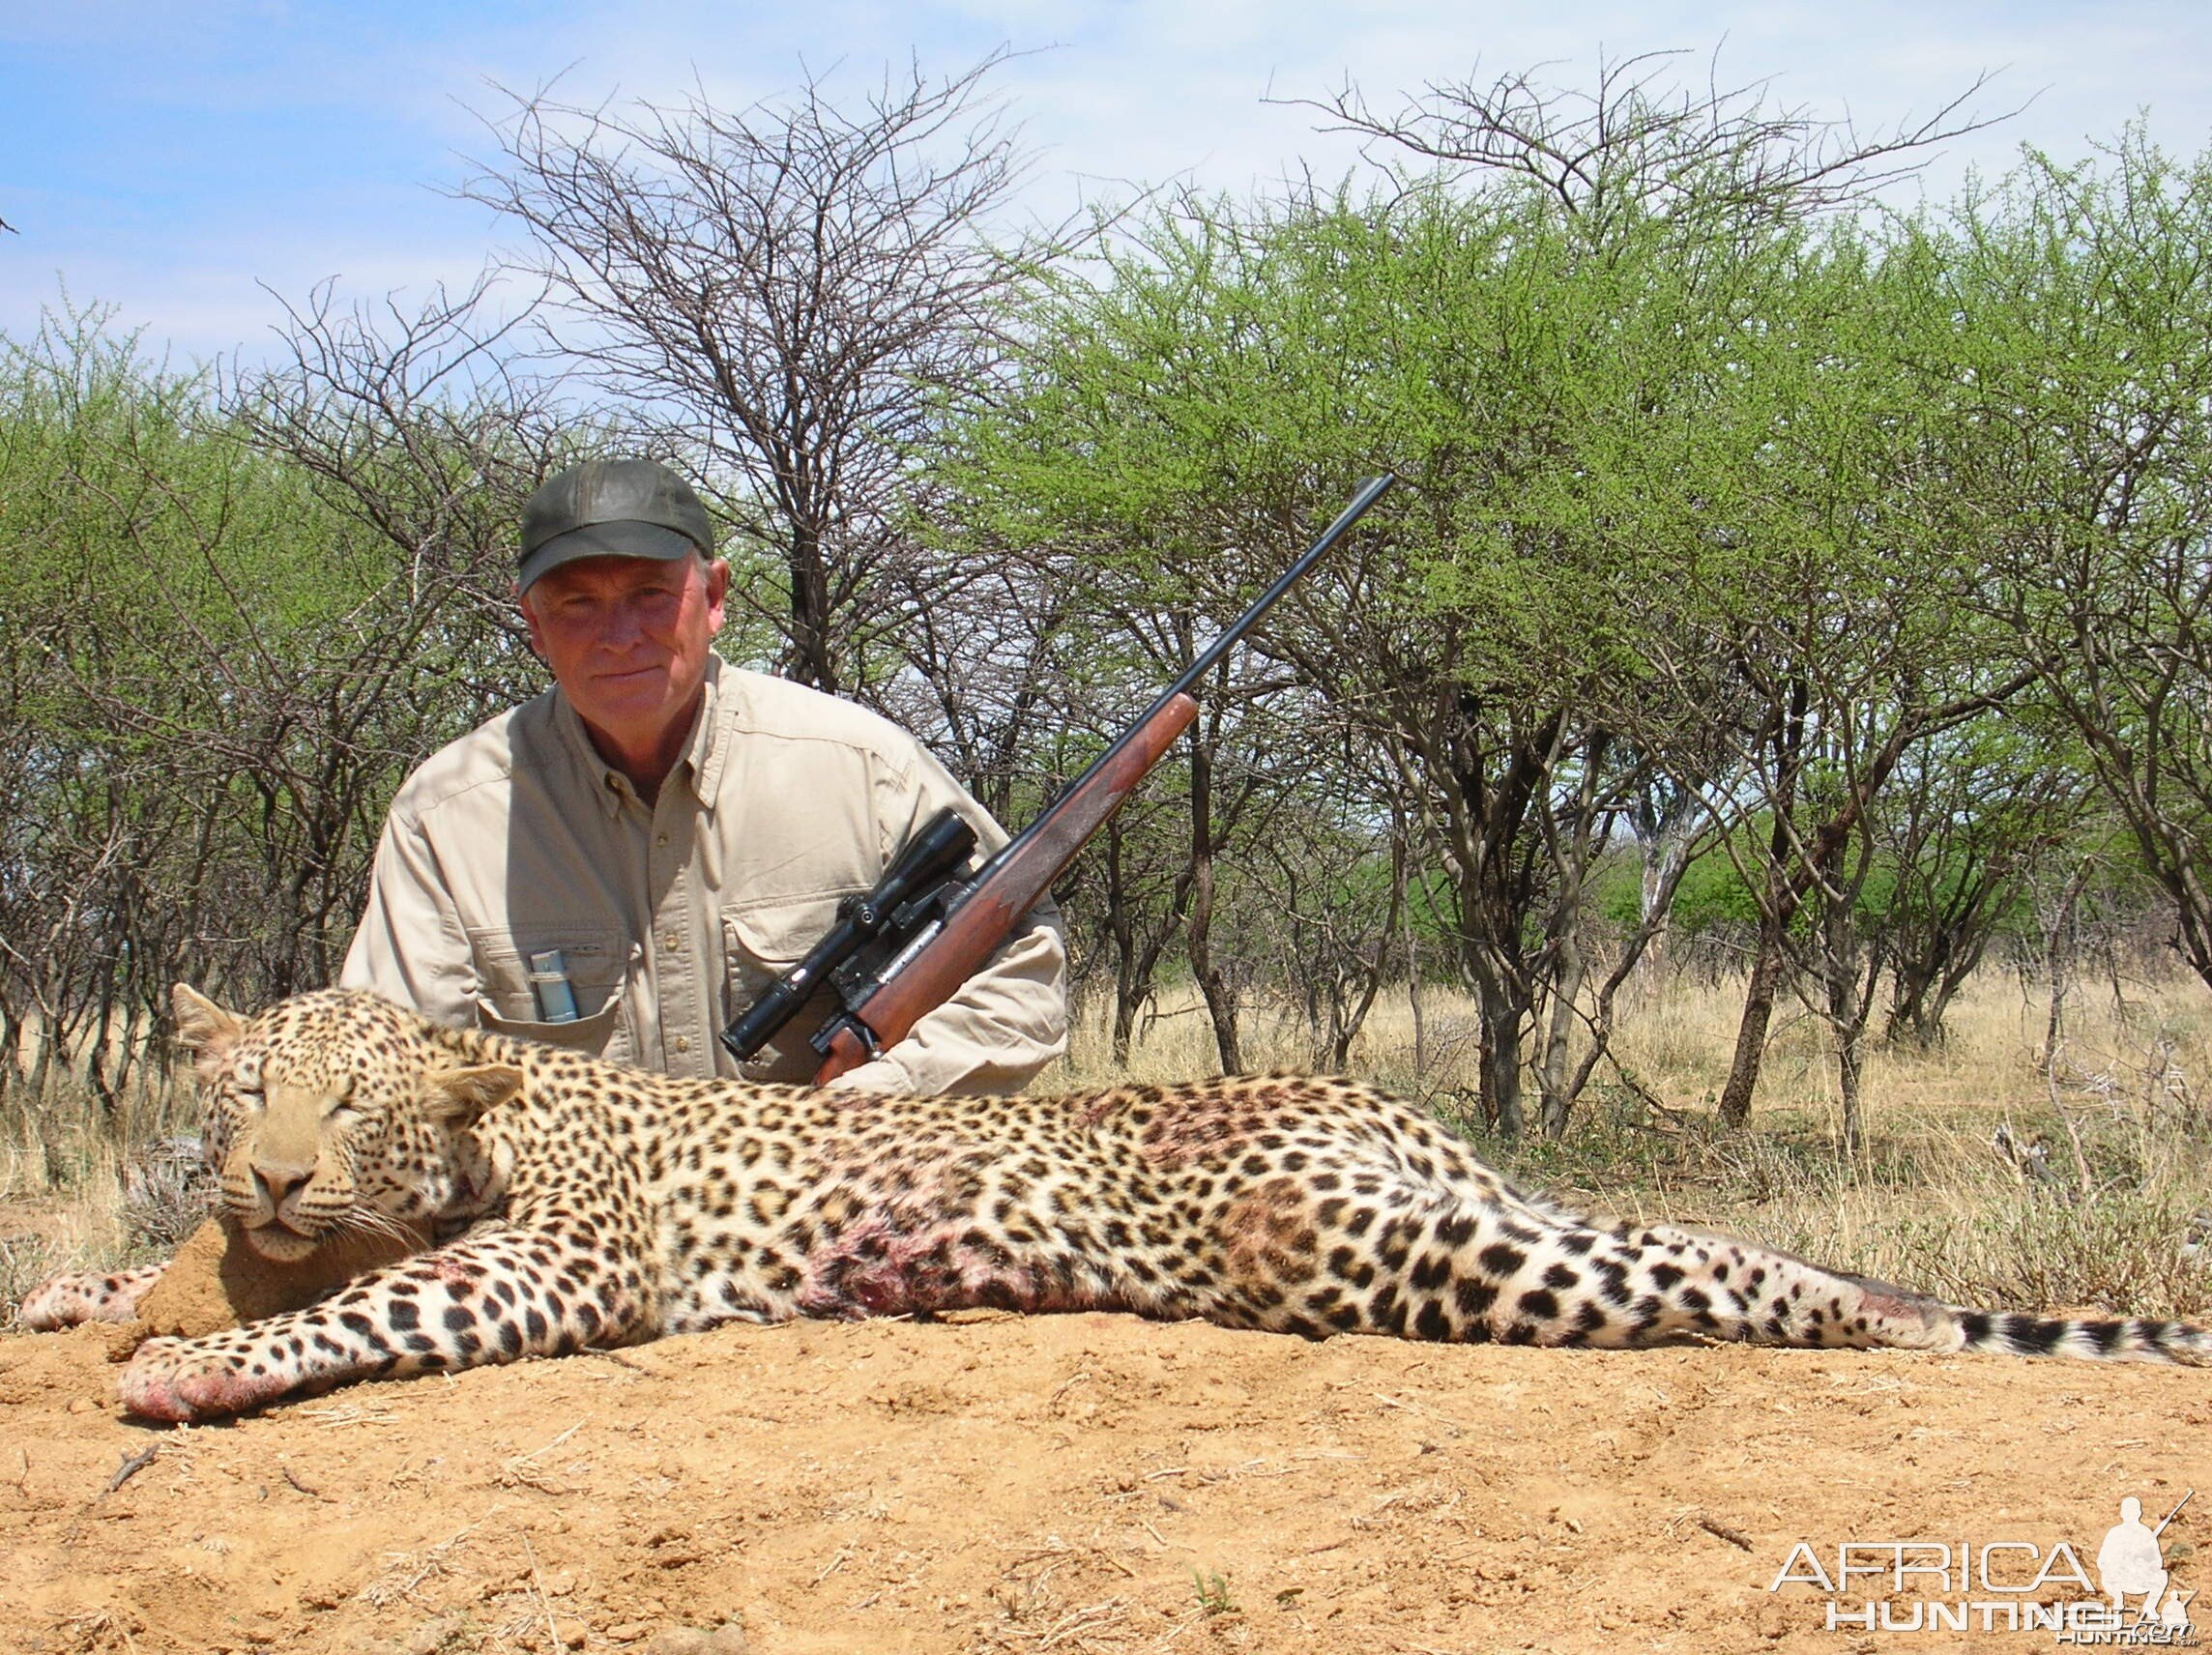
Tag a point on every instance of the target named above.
point(338, 1111)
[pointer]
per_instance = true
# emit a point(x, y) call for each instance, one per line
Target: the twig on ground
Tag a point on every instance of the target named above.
point(132, 1464)
point(1722, 1531)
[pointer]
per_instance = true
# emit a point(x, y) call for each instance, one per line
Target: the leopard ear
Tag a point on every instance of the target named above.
point(204, 1029)
point(462, 1097)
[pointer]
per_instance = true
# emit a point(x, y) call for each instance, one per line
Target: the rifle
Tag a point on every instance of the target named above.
point(904, 949)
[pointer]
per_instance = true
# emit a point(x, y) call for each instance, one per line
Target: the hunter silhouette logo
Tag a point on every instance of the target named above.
point(2006, 1586)
point(2130, 1561)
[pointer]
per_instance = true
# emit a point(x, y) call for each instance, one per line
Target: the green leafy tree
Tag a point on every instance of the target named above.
point(2083, 361)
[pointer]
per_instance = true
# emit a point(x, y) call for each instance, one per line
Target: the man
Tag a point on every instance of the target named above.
point(621, 864)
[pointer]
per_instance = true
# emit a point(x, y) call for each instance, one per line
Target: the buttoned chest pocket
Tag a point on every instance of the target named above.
point(595, 964)
point(761, 941)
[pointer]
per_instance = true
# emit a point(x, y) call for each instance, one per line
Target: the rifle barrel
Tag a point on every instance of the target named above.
point(2175, 1513)
point(1372, 490)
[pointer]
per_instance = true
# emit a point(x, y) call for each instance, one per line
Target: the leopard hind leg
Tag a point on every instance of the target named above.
point(1683, 1283)
point(1438, 1247)
point(1495, 1267)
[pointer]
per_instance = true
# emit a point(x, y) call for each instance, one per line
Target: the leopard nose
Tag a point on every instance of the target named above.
point(280, 1179)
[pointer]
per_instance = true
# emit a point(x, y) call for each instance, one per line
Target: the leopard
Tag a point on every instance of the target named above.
point(570, 1203)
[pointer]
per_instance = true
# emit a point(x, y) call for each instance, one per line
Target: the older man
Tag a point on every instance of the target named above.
point(622, 863)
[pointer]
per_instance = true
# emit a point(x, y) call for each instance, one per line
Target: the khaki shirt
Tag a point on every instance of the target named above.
point(670, 917)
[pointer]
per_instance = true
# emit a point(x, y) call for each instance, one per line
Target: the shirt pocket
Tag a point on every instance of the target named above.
point(597, 963)
point(761, 941)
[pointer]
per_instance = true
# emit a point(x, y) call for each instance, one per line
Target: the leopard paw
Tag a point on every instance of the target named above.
point(179, 1381)
point(71, 1301)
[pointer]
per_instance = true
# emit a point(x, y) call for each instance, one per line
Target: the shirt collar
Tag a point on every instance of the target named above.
point(709, 750)
point(698, 767)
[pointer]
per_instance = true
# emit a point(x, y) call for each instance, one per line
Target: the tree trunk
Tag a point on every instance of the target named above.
point(1555, 1074)
point(1851, 1045)
point(1415, 1006)
point(1664, 853)
point(811, 658)
point(2062, 948)
point(1751, 1028)
point(1197, 935)
point(1220, 998)
point(1502, 1012)
point(1847, 1012)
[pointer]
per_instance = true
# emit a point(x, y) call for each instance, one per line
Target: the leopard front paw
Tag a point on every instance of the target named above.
point(180, 1380)
point(71, 1301)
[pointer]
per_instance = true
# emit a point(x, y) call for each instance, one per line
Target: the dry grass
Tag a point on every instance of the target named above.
point(84, 1189)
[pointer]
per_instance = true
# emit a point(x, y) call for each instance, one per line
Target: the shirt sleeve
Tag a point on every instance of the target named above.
point(411, 945)
point(1010, 1018)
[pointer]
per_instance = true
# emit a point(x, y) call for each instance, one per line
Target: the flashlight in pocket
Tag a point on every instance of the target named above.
point(548, 976)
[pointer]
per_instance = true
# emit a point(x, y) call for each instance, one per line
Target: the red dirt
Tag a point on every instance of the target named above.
point(1064, 1482)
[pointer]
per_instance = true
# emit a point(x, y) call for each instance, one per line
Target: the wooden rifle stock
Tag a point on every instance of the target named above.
point(1017, 879)
point(1015, 882)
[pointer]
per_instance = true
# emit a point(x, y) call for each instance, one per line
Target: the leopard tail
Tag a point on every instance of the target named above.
point(2106, 1339)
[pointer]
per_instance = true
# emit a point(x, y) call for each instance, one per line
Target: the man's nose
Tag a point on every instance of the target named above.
point(621, 628)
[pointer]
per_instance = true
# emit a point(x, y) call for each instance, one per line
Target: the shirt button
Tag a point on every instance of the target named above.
point(671, 941)
point(661, 839)
point(683, 1042)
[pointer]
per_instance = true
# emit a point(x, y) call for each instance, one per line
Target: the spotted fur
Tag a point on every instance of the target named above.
point(589, 1204)
point(67, 1300)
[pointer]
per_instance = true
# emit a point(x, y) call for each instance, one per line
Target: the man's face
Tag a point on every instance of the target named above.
point(628, 640)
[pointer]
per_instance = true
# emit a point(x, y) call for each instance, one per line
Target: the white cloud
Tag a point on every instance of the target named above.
point(1143, 90)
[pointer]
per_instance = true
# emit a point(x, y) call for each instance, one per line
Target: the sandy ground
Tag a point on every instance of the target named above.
point(1069, 1483)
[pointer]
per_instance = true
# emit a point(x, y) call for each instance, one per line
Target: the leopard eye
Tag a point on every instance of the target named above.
point(341, 1109)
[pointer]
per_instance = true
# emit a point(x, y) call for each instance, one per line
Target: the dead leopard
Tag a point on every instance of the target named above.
point(597, 1205)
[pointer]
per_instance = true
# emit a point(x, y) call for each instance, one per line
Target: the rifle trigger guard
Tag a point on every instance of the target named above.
point(826, 1036)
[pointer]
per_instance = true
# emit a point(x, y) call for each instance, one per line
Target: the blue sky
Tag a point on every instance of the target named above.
point(180, 160)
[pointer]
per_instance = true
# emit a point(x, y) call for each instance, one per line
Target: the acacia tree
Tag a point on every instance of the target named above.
point(1226, 389)
point(418, 452)
point(1636, 142)
point(1322, 891)
point(2084, 298)
point(1834, 606)
point(1719, 183)
point(258, 603)
point(1961, 832)
point(785, 290)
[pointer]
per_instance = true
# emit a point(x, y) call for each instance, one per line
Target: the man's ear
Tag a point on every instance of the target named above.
point(717, 593)
point(529, 615)
point(204, 1029)
point(460, 1098)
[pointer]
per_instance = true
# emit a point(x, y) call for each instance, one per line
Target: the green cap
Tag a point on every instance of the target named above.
point(611, 508)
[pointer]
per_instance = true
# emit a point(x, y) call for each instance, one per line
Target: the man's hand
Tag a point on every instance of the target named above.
point(876, 1075)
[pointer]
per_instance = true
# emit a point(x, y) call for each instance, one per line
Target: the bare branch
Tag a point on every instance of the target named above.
point(1639, 144)
point(786, 290)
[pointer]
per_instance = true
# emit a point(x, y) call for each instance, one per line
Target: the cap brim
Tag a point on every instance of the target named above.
point(625, 538)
